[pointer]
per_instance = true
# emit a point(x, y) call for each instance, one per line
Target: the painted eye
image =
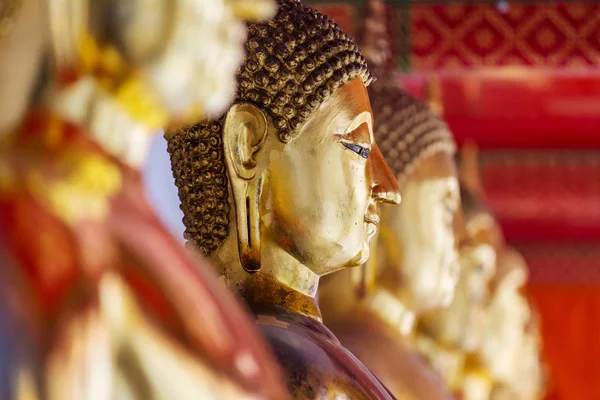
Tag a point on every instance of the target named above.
point(361, 151)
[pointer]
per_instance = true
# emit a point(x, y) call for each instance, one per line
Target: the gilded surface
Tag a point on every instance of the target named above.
point(304, 177)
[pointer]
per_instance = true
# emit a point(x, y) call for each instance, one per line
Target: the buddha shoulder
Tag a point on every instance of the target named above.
point(315, 364)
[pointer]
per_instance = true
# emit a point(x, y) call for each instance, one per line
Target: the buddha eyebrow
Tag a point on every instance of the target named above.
point(364, 117)
point(360, 135)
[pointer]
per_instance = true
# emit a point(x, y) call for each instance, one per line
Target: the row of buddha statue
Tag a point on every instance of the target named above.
point(292, 163)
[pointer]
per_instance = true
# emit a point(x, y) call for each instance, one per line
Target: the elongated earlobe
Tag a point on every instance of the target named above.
point(244, 134)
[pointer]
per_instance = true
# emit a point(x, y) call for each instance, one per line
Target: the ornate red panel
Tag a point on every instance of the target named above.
point(461, 35)
point(544, 195)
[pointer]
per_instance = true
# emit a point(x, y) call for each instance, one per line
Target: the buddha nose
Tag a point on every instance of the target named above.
point(385, 186)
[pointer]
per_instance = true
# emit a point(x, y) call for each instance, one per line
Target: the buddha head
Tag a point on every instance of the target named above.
point(420, 150)
point(461, 325)
point(288, 179)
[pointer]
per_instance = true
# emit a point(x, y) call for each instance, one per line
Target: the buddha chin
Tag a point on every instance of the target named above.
point(363, 254)
point(324, 252)
point(369, 229)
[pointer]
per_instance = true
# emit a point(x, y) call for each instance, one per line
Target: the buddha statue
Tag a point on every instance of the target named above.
point(97, 301)
point(452, 337)
point(508, 358)
point(283, 188)
point(414, 266)
point(508, 313)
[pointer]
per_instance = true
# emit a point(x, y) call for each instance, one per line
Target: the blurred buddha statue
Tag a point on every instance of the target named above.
point(508, 354)
point(452, 337)
point(512, 347)
point(282, 190)
point(97, 300)
point(414, 269)
point(533, 386)
point(508, 315)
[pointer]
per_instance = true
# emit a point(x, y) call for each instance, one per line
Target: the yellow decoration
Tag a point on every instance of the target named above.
point(83, 192)
point(128, 87)
point(141, 103)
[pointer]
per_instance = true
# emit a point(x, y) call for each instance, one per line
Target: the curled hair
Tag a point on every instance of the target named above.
point(406, 130)
point(293, 64)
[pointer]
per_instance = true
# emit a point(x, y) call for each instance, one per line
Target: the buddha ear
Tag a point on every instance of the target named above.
point(244, 134)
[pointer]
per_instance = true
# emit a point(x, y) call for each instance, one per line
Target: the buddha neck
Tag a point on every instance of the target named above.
point(392, 310)
point(383, 300)
point(281, 282)
point(109, 124)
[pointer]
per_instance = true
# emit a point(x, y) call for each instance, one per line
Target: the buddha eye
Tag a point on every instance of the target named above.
point(358, 149)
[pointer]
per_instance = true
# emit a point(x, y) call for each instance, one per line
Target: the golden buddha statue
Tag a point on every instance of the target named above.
point(97, 301)
point(282, 190)
point(414, 268)
point(505, 345)
point(508, 357)
point(451, 337)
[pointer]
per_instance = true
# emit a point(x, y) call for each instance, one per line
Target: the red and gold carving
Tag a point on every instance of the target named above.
point(460, 35)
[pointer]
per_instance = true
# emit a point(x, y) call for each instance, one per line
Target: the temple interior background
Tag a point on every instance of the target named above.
point(521, 81)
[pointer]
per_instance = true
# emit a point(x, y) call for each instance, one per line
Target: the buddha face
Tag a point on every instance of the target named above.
point(316, 194)
point(322, 187)
point(462, 323)
point(424, 224)
point(478, 263)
